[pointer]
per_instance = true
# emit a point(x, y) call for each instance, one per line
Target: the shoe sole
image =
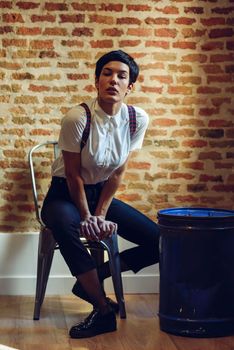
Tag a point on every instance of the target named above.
point(87, 334)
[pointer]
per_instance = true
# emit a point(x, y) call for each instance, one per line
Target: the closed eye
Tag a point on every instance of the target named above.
point(109, 72)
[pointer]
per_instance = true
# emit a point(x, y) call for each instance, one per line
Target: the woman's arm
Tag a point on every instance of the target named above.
point(75, 182)
point(109, 190)
point(89, 226)
point(107, 228)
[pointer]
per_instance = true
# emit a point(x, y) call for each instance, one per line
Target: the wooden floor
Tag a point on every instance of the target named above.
point(140, 331)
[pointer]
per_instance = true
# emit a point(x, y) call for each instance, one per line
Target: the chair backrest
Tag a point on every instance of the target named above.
point(40, 158)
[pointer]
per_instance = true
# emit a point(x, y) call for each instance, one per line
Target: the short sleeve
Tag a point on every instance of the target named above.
point(142, 121)
point(72, 128)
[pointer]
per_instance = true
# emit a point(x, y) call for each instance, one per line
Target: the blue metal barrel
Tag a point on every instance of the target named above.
point(196, 271)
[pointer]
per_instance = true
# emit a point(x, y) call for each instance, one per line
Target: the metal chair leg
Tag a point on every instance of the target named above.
point(45, 256)
point(111, 245)
point(43, 270)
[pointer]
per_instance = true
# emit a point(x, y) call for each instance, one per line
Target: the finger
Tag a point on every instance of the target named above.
point(112, 231)
point(109, 230)
point(84, 230)
point(104, 227)
point(104, 233)
point(94, 236)
point(111, 226)
point(89, 229)
point(116, 228)
point(95, 227)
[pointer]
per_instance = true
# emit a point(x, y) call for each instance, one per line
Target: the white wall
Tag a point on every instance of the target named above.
point(18, 263)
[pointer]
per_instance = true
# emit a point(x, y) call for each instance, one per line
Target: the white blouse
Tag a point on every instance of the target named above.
point(108, 144)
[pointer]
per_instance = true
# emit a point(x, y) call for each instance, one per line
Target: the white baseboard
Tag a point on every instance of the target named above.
point(18, 264)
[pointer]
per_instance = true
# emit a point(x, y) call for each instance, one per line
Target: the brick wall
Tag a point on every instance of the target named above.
point(185, 50)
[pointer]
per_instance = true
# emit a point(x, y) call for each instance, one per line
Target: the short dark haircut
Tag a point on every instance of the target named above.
point(121, 56)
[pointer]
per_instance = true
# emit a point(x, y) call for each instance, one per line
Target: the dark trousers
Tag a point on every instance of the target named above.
point(61, 215)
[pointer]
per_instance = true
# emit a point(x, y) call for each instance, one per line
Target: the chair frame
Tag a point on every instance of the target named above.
point(47, 245)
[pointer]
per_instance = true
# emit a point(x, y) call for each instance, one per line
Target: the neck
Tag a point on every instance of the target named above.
point(109, 108)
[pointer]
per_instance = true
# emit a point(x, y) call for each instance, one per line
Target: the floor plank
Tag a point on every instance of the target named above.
point(140, 331)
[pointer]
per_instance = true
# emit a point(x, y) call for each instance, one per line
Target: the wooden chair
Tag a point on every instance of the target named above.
point(40, 158)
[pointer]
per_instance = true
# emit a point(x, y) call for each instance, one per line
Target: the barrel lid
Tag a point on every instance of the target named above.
point(195, 212)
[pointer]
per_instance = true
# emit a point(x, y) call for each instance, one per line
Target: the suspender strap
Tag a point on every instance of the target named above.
point(85, 135)
point(132, 120)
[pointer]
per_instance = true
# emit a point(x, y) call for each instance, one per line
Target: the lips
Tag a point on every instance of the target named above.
point(113, 90)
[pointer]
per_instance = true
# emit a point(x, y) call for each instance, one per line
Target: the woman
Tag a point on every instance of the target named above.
point(96, 140)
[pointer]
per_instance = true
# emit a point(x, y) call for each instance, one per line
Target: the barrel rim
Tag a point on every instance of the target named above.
point(173, 213)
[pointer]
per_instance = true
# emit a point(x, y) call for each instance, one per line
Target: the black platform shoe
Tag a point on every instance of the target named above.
point(96, 323)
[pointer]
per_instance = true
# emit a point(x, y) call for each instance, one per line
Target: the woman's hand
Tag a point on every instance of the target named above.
point(95, 228)
point(89, 228)
point(108, 228)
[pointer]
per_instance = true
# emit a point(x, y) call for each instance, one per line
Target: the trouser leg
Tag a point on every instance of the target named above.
point(63, 219)
point(139, 229)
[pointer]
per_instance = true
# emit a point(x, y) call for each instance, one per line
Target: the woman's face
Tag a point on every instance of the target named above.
point(113, 82)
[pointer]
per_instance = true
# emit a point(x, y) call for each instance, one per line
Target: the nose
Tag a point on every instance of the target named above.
point(114, 79)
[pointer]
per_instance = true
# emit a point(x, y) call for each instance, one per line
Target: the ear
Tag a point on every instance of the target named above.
point(129, 89)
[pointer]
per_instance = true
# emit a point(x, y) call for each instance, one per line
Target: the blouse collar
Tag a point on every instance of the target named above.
point(104, 116)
